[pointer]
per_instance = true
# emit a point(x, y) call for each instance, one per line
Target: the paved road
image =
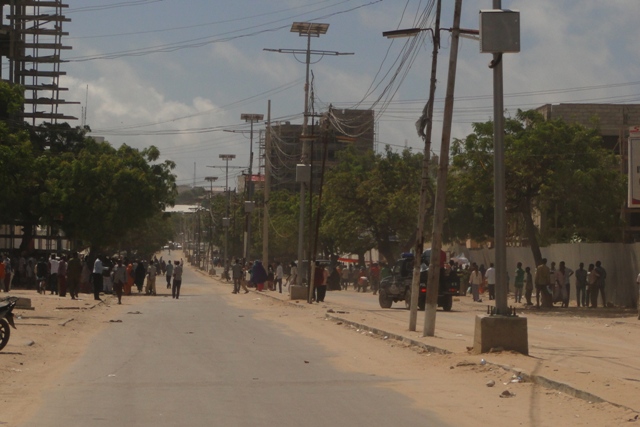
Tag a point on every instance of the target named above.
point(200, 362)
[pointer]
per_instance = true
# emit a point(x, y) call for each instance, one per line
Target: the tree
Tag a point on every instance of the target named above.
point(552, 169)
point(100, 193)
point(370, 201)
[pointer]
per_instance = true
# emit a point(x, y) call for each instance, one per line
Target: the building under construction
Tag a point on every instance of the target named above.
point(30, 45)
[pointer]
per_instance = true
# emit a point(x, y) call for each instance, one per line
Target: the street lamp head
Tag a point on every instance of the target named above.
point(251, 117)
point(409, 32)
point(312, 29)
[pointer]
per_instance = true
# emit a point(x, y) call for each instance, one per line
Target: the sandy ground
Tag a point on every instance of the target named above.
point(454, 386)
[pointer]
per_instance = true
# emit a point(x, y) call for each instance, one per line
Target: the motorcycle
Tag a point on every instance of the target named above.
point(6, 320)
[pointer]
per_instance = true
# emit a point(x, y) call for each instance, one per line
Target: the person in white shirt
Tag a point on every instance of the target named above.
point(279, 276)
point(490, 277)
point(475, 280)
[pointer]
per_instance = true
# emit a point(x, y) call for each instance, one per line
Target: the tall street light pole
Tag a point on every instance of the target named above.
point(226, 220)
point(308, 30)
point(211, 180)
point(500, 223)
point(248, 204)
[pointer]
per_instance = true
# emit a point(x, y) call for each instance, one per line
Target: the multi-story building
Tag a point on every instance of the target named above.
point(345, 127)
point(30, 51)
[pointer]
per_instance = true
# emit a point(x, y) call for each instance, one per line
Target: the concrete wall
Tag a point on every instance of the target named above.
point(621, 261)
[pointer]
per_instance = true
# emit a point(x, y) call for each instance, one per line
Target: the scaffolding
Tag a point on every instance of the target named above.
point(30, 45)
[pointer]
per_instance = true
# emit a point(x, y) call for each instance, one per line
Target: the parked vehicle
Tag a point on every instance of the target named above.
point(397, 287)
point(6, 319)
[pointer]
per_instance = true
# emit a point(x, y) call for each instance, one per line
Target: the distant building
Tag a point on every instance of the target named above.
point(346, 127)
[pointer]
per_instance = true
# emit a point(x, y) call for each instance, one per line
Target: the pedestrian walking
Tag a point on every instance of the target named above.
point(543, 282)
point(592, 285)
point(581, 286)
point(140, 273)
point(131, 278)
point(237, 274)
point(602, 275)
point(74, 272)
point(53, 274)
point(258, 275)
point(152, 272)
point(565, 285)
point(490, 277)
point(519, 282)
point(320, 282)
point(169, 273)
point(96, 277)
point(475, 280)
point(279, 274)
point(528, 285)
point(177, 279)
point(62, 277)
point(119, 279)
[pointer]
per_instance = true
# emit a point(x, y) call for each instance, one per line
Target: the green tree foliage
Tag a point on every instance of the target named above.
point(100, 193)
point(11, 101)
point(283, 225)
point(554, 169)
point(371, 201)
point(143, 241)
point(54, 175)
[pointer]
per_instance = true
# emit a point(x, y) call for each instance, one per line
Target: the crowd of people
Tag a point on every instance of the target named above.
point(75, 273)
point(551, 283)
point(276, 276)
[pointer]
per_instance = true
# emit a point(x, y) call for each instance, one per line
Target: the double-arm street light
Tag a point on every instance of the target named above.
point(249, 204)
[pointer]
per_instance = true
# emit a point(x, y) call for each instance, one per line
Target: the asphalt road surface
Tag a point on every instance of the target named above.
point(197, 361)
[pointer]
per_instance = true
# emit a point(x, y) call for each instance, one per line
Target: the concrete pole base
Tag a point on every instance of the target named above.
point(298, 292)
point(501, 332)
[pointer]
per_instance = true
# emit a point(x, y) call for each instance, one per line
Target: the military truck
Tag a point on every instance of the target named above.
point(397, 286)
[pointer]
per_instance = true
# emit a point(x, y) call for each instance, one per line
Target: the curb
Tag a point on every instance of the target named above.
point(389, 335)
point(535, 379)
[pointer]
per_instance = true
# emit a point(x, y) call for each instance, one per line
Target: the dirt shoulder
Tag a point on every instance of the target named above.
point(47, 340)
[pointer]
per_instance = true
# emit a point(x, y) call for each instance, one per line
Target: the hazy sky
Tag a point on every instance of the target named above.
point(177, 73)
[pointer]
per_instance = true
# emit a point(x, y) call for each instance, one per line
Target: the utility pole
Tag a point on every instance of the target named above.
point(308, 30)
point(249, 204)
point(427, 117)
point(267, 188)
point(441, 190)
point(499, 219)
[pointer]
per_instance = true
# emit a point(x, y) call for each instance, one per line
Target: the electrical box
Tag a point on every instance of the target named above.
point(303, 173)
point(249, 206)
point(499, 31)
point(226, 222)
